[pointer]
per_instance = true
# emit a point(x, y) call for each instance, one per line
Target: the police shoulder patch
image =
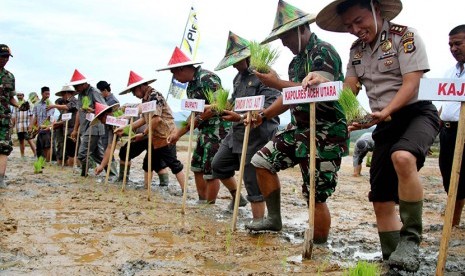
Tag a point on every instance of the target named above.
point(397, 29)
point(356, 42)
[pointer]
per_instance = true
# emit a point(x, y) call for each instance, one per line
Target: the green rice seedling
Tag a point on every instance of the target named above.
point(39, 164)
point(228, 240)
point(48, 102)
point(218, 100)
point(128, 129)
point(85, 102)
point(262, 57)
point(118, 113)
point(355, 113)
point(363, 268)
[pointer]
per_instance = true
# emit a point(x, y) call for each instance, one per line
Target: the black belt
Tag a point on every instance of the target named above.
point(450, 124)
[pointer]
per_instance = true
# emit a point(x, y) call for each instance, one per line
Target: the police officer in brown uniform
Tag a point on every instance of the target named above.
point(389, 60)
point(7, 98)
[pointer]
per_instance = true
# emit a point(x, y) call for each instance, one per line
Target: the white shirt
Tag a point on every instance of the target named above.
point(451, 110)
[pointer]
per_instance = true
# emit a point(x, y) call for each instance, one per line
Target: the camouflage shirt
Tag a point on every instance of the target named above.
point(330, 118)
point(203, 81)
point(7, 91)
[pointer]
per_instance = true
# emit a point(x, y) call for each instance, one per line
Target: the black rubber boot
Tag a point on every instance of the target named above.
point(389, 241)
point(242, 201)
point(83, 169)
point(407, 254)
point(164, 179)
point(273, 221)
point(121, 173)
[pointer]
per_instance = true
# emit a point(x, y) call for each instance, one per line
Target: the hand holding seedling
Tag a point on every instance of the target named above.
point(231, 116)
point(270, 79)
point(313, 79)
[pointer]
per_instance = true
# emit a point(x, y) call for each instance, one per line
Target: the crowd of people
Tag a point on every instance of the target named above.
point(387, 59)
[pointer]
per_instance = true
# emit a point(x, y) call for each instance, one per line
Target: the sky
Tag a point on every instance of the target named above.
point(106, 39)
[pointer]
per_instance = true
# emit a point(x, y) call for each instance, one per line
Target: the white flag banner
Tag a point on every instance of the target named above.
point(189, 45)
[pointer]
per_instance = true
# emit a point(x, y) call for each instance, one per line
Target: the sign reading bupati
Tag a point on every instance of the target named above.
point(328, 91)
point(193, 105)
point(131, 112)
point(249, 103)
point(113, 121)
point(149, 106)
point(90, 116)
point(442, 90)
point(66, 116)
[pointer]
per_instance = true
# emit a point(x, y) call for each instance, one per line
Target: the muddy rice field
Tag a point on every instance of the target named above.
point(58, 223)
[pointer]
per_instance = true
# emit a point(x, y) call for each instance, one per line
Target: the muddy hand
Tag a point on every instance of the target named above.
point(313, 79)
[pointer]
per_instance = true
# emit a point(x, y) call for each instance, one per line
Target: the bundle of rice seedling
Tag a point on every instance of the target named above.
point(85, 102)
point(48, 102)
point(218, 100)
point(364, 268)
point(128, 129)
point(355, 113)
point(45, 124)
point(118, 113)
point(262, 57)
point(39, 164)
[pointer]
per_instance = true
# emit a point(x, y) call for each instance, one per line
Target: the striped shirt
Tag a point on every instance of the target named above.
point(22, 119)
point(41, 113)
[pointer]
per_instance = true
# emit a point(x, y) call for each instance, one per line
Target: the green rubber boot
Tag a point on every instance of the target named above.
point(407, 253)
point(389, 241)
point(273, 221)
point(121, 173)
point(242, 201)
point(164, 179)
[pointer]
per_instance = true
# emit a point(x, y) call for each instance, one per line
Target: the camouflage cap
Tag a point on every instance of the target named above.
point(237, 49)
point(5, 50)
point(288, 17)
point(328, 18)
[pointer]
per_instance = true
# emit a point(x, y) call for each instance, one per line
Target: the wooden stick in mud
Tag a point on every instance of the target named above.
point(127, 156)
point(51, 144)
point(113, 145)
point(76, 148)
point(88, 150)
point(64, 144)
point(149, 150)
point(241, 172)
point(452, 194)
point(308, 236)
point(188, 163)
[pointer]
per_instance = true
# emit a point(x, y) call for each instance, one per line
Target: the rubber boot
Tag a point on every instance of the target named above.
point(2, 182)
point(407, 253)
point(242, 201)
point(164, 179)
point(121, 173)
point(389, 241)
point(83, 169)
point(273, 221)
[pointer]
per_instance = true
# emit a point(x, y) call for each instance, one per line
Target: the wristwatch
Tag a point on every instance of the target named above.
point(242, 118)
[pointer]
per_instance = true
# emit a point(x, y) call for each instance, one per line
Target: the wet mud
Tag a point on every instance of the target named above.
point(58, 223)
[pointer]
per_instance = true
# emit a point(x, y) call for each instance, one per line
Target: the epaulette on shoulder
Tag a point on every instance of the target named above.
point(397, 29)
point(356, 42)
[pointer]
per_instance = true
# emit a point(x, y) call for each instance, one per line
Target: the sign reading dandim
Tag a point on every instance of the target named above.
point(149, 106)
point(249, 103)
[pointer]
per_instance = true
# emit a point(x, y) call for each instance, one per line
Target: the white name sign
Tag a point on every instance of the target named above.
point(131, 112)
point(90, 116)
point(66, 116)
point(119, 122)
point(193, 105)
point(442, 90)
point(249, 103)
point(149, 106)
point(328, 91)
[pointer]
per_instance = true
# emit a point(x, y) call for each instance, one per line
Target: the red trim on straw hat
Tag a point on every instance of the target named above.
point(179, 59)
point(77, 78)
point(135, 80)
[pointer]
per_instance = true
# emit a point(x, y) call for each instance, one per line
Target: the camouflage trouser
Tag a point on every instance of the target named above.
point(289, 148)
point(6, 145)
point(202, 157)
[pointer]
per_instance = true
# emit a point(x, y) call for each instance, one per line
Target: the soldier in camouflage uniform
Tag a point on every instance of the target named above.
point(212, 128)
point(7, 93)
point(290, 147)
